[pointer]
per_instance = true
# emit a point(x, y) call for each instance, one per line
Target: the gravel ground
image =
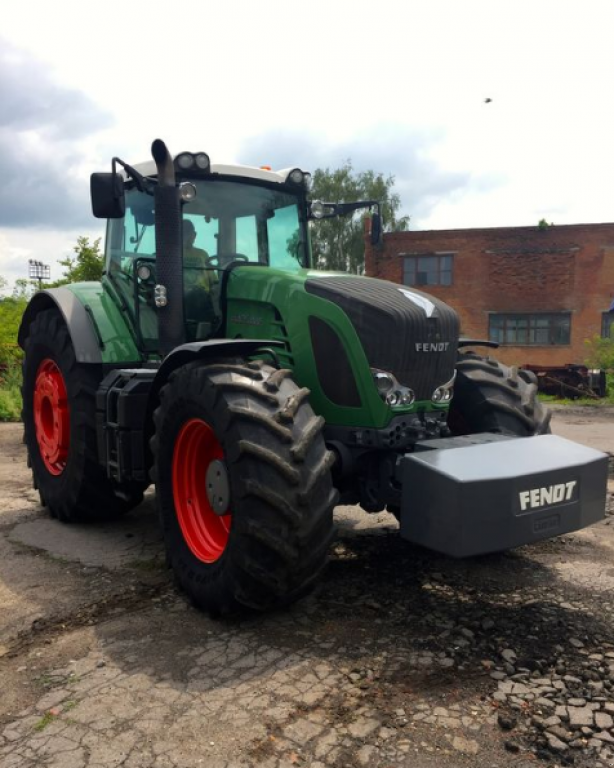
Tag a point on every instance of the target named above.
point(401, 658)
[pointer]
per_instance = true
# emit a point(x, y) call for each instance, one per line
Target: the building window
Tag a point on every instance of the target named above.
point(607, 325)
point(428, 269)
point(540, 330)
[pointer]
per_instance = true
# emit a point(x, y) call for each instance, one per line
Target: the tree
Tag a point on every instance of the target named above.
point(24, 289)
point(338, 243)
point(600, 353)
point(86, 265)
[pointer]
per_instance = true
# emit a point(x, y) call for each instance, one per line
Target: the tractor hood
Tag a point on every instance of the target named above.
point(405, 332)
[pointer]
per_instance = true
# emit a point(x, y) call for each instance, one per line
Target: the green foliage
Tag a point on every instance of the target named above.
point(10, 403)
point(338, 244)
point(600, 353)
point(10, 392)
point(11, 310)
point(24, 289)
point(45, 720)
point(543, 224)
point(87, 264)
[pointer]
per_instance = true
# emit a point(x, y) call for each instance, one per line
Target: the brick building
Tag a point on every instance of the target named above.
point(538, 292)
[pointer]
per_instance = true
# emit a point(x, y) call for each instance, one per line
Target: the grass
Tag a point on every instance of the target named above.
point(10, 394)
point(554, 400)
point(45, 720)
point(592, 402)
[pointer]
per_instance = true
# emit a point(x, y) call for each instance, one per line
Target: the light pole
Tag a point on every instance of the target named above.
point(38, 271)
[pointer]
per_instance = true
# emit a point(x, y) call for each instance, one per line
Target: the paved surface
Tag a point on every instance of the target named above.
point(401, 658)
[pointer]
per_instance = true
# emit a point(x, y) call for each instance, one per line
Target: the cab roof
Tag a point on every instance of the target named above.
point(148, 168)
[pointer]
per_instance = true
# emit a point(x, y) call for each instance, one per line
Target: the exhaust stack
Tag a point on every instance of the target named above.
point(169, 260)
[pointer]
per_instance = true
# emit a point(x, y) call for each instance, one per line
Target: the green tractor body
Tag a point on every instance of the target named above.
point(257, 391)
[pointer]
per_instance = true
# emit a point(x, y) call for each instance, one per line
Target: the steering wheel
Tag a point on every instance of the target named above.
point(223, 260)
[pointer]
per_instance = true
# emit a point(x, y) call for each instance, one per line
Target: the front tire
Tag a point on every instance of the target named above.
point(59, 415)
point(492, 397)
point(243, 485)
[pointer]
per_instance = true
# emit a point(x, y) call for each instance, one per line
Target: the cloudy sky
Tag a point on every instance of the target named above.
point(397, 87)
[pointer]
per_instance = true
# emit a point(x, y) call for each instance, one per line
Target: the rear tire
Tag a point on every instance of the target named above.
point(59, 415)
point(268, 541)
point(492, 397)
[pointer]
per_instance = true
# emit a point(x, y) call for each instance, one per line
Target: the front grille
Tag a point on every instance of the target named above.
point(395, 331)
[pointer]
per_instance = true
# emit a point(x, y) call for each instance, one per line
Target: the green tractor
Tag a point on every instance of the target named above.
point(257, 392)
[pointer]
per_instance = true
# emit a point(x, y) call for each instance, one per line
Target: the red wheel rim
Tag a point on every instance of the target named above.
point(205, 532)
point(51, 417)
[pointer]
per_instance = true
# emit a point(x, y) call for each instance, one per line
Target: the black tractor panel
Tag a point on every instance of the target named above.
point(403, 331)
point(334, 370)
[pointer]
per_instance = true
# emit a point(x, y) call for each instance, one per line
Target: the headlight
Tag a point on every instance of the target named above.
point(202, 161)
point(193, 161)
point(296, 176)
point(185, 160)
point(143, 272)
point(392, 398)
point(444, 393)
point(319, 210)
point(392, 393)
point(383, 381)
point(187, 191)
point(408, 397)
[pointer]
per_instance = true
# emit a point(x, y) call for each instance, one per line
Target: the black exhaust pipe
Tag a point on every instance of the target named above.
point(169, 256)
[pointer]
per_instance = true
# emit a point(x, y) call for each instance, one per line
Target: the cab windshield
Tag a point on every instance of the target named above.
point(260, 224)
point(225, 224)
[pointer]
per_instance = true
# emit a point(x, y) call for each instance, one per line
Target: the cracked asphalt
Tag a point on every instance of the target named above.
point(401, 658)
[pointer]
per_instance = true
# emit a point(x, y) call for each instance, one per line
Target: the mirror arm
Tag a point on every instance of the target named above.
point(345, 208)
point(143, 184)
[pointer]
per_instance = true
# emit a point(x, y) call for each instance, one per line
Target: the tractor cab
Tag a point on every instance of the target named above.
point(230, 216)
point(179, 225)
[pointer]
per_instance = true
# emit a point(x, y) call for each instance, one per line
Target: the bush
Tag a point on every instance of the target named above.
point(11, 311)
point(11, 355)
point(10, 404)
point(600, 353)
point(10, 393)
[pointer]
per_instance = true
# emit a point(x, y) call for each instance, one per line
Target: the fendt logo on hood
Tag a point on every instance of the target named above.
point(536, 498)
point(432, 346)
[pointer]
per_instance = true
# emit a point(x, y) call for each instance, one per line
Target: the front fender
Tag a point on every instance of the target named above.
point(198, 350)
point(203, 350)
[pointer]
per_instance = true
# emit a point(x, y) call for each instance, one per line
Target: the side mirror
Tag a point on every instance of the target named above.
point(107, 192)
point(376, 229)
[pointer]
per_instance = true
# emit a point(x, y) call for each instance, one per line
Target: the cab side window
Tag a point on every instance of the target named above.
point(131, 242)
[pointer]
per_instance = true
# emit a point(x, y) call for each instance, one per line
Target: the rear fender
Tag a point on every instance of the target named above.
point(82, 331)
point(99, 328)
